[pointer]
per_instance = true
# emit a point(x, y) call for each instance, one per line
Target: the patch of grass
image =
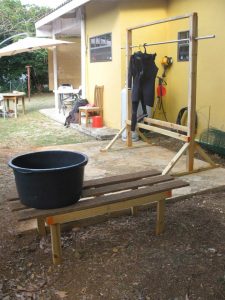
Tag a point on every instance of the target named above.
point(34, 129)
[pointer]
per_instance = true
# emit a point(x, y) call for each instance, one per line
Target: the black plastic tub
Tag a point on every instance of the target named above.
point(49, 179)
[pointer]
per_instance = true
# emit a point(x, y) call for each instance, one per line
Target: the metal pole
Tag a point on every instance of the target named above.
point(15, 35)
point(28, 81)
point(162, 43)
point(212, 36)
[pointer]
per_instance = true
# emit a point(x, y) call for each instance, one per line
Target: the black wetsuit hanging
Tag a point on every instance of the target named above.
point(143, 71)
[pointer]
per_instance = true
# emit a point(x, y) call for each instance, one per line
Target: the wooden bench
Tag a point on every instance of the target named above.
point(103, 196)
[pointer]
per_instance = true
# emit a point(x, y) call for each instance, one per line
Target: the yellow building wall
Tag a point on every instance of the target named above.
point(177, 74)
point(100, 20)
point(69, 64)
point(133, 13)
point(210, 95)
point(116, 18)
point(211, 59)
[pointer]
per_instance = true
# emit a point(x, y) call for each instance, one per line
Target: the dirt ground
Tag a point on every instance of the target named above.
point(120, 258)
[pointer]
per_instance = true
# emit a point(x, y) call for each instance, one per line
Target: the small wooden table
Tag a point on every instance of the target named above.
point(15, 98)
point(103, 196)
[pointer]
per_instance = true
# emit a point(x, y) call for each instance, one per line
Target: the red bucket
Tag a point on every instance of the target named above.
point(97, 122)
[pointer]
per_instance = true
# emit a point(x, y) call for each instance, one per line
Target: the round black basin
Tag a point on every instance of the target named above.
point(49, 179)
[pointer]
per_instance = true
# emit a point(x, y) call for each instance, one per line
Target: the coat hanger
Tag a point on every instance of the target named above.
point(144, 45)
point(139, 52)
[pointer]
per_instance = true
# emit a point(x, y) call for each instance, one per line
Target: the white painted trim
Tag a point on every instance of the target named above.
point(59, 12)
point(45, 32)
point(55, 75)
point(83, 54)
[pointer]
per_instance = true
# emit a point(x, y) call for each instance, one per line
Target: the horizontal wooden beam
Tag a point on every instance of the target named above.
point(162, 131)
point(197, 170)
point(166, 124)
point(165, 20)
point(105, 209)
point(102, 200)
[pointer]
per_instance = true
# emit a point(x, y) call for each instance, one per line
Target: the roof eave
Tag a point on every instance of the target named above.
point(59, 12)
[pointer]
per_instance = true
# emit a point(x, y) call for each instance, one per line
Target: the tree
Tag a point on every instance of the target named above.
point(17, 18)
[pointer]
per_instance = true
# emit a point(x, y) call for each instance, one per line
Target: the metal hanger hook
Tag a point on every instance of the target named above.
point(144, 45)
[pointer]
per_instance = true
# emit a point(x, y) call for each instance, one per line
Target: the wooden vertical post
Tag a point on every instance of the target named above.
point(134, 211)
point(160, 223)
point(56, 243)
point(128, 92)
point(41, 226)
point(193, 51)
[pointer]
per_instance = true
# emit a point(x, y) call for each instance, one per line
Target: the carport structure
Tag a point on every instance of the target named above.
point(67, 20)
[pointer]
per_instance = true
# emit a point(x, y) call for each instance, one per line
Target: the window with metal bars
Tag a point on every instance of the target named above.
point(183, 46)
point(101, 48)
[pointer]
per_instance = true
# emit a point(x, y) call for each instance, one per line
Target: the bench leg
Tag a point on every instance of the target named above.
point(15, 107)
point(160, 225)
point(41, 226)
point(79, 117)
point(56, 243)
point(23, 105)
point(134, 211)
point(86, 119)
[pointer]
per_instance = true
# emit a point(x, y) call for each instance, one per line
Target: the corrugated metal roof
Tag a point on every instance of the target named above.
point(54, 9)
point(60, 10)
point(61, 5)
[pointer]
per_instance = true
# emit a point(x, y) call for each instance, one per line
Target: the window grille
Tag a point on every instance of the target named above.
point(183, 46)
point(101, 48)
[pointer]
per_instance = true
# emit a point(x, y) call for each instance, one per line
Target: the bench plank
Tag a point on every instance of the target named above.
point(88, 184)
point(16, 205)
point(125, 185)
point(119, 178)
point(106, 208)
point(101, 200)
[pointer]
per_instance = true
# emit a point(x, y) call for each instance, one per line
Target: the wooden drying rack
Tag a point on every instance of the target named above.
point(163, 127)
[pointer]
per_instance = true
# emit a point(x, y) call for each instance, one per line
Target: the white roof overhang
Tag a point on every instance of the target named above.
point(65, 20)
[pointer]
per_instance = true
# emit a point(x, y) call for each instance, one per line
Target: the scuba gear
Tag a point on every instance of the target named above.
point(166, 62)
point(161, 91)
